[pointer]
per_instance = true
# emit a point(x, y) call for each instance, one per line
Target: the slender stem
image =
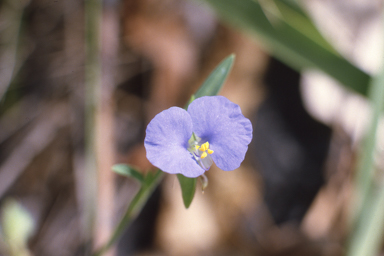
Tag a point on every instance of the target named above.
point(134, 208)
point(366, 168)
point(368, 213)
point(92, 87)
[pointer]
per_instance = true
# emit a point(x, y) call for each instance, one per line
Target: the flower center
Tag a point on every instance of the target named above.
point(201, 152)
point(204, 149)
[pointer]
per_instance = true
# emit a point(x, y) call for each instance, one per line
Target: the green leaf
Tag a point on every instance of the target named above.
point(293, 39)
point(188, 188)
point(128, 171)
point(216, 79)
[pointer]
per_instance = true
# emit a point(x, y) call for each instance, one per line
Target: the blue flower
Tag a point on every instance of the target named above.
point(188, 142)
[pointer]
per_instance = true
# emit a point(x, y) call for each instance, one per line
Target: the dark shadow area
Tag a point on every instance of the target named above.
point(290, 146)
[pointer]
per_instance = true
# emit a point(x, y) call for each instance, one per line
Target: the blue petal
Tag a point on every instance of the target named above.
point(166, 143)
point(220, 122)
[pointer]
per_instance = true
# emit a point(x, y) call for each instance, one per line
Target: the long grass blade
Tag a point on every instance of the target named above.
point(293, 39)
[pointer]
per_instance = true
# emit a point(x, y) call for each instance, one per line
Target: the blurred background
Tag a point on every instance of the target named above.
point(80, 80)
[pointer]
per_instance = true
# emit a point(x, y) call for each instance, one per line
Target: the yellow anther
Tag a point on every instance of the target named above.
point(210, 151)
point(197, 147)
point(204, 155)
point(204, 146)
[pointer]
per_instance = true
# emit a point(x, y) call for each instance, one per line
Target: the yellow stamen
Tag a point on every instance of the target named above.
point(210, 151)
point(204, 146)
point(197, 147)
point(204, 155)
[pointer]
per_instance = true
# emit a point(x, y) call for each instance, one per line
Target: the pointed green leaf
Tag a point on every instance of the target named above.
point(188, 188)
point(128, 171)
point(216, 79)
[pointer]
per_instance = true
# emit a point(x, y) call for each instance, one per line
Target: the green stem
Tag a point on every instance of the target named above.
point(92, 87)
point(134, 208)
point(367, 220)
point(365, 172)
point(366, 168)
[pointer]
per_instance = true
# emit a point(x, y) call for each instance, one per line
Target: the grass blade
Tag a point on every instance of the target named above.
point(297, 45)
